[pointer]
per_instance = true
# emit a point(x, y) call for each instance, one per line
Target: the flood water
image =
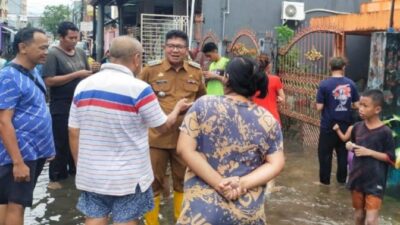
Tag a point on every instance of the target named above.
point(299, 202)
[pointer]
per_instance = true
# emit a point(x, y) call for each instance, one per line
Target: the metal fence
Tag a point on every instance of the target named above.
point(303, 63)
point(154, 27)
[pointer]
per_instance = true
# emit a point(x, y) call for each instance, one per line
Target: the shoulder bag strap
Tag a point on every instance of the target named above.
point(27, 73)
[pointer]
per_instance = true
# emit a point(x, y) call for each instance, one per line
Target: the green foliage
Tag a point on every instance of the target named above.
point(54, 15)
point(290, 61)
point(389, 122)
point(396, 134)
point(284, 34)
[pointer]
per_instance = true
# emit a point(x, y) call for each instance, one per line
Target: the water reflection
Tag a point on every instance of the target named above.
point(53, 206)
point(303, 202)
point(299, 202)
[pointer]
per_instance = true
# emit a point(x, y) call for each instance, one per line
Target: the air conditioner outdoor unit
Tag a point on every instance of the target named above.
point(293, 10)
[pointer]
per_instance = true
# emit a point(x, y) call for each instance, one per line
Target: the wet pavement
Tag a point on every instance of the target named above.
point(299, 202)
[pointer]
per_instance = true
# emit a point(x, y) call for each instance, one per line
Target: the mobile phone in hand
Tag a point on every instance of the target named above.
point(220, 72)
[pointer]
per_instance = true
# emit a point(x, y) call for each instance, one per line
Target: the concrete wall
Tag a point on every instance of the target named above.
point(263, 15)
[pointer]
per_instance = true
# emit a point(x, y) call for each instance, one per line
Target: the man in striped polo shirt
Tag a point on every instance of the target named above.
point(108, 126)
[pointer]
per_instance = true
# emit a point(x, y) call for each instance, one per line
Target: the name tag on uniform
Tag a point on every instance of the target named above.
point(161, 81)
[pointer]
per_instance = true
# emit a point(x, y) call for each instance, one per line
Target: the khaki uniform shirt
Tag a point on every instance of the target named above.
point(170, 86)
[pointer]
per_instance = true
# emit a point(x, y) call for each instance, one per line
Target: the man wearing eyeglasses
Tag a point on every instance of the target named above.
point(172, 79)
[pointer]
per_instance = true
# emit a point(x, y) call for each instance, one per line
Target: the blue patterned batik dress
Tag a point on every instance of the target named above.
point(235, 138)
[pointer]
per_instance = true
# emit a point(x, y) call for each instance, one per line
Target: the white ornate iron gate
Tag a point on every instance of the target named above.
point(153, 30)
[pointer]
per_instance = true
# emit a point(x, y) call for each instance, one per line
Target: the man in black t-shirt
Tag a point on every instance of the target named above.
point(65, 67)
point(374, 152)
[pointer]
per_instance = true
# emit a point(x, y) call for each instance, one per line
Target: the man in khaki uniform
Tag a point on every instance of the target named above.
point(171, 79)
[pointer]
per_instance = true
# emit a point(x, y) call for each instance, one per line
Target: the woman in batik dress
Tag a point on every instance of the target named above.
point(232, 148)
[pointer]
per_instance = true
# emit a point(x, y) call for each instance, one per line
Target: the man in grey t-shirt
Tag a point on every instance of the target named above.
point(65, 67)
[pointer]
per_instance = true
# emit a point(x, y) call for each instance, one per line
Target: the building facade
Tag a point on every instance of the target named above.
point(126, 17)
point(224, 20)
point(34, 21)
point(3, 10)
point(76, 11)
point(17, 13)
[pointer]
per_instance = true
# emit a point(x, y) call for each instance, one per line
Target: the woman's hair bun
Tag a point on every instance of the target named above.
point(246, 77)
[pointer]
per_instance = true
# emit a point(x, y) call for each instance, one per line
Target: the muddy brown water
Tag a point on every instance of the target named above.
point(299, 202)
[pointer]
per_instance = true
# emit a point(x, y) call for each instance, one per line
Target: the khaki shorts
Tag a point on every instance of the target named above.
point(365, 201)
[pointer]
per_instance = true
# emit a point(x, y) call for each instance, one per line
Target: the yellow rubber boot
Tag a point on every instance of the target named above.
point(151, 218)
point(178, 199)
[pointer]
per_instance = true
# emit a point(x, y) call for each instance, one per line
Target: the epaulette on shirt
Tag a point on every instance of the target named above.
point(194, 64)
point(154, 62)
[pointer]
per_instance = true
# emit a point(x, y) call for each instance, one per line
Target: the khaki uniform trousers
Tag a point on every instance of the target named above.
point(159, 162)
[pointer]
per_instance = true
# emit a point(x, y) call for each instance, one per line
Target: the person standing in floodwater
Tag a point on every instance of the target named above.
point(374, 151)
point(109, 120)
point(26, 138)
point(232, 147)
point(337, 96)
point(65, 67)
point(171, 79)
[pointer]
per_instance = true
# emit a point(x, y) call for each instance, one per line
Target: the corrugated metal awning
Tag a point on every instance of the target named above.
point(104, 2)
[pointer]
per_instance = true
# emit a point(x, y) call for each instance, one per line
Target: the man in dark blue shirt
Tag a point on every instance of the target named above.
point(336, 98)
point(26, 138)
